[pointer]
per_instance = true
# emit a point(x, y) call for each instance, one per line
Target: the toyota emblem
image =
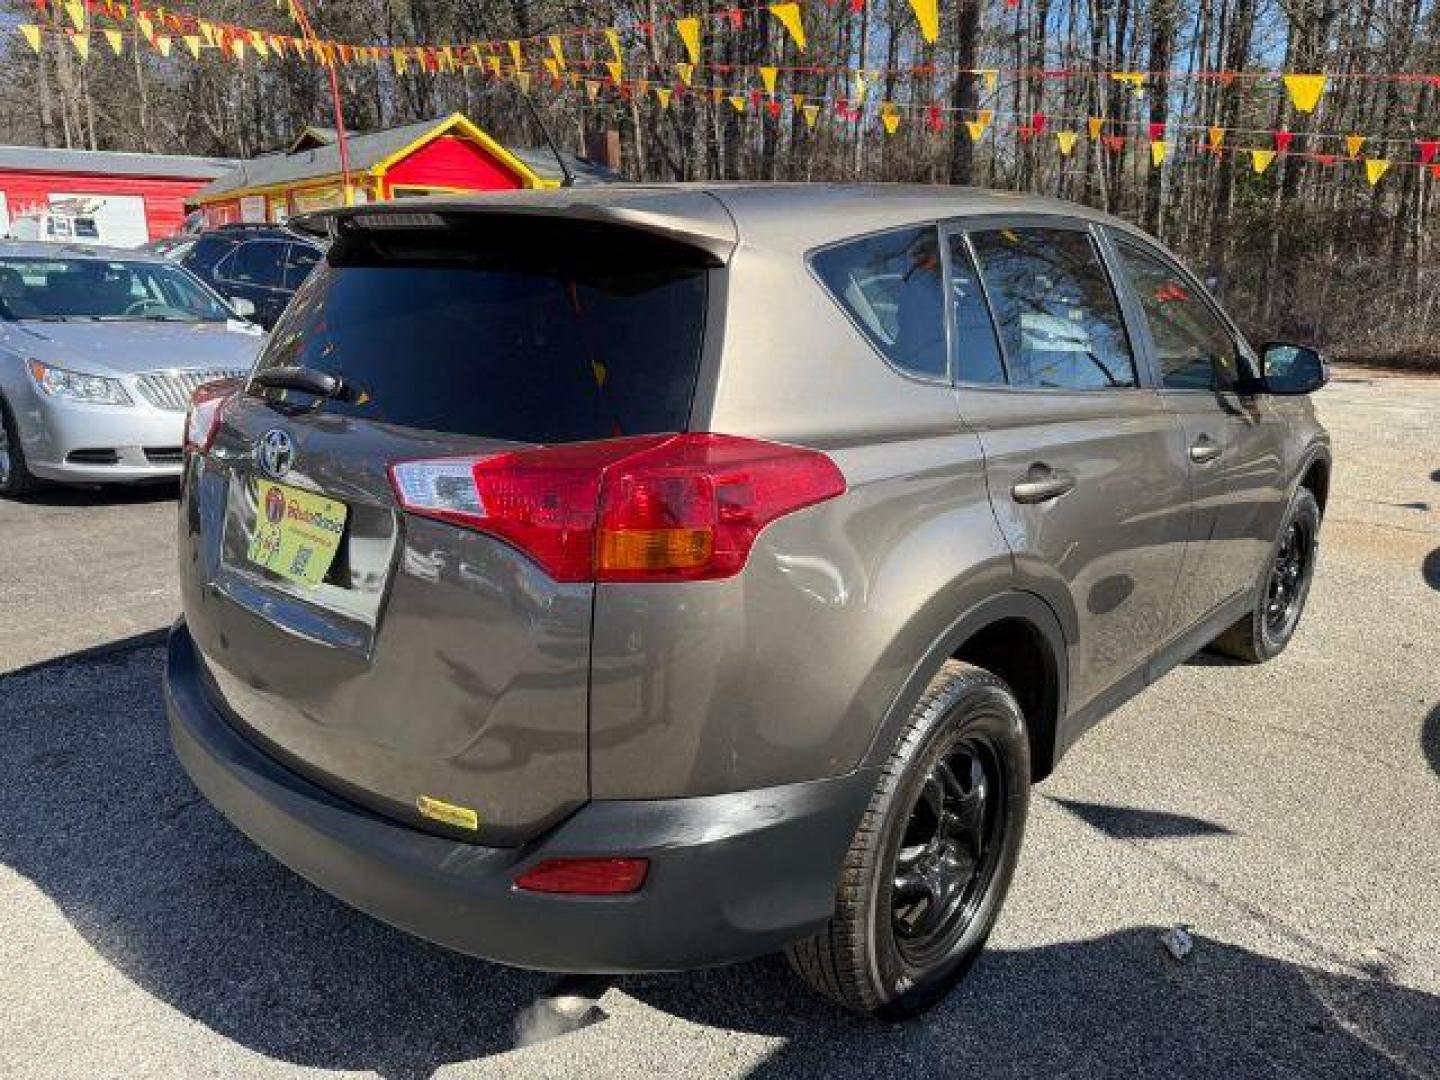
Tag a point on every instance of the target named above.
point(275, 452)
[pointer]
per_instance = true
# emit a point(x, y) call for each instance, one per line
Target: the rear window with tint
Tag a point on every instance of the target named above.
point(537, 333)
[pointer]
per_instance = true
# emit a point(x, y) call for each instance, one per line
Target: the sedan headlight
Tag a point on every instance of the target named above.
point(96, 389)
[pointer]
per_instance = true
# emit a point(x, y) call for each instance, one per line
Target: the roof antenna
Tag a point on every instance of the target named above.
point(568, 176)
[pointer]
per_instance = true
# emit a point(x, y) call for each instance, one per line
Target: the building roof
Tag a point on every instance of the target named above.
point(541, 161)
point(112, 163)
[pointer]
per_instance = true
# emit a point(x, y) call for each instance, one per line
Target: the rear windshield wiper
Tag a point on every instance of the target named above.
point(320, 383)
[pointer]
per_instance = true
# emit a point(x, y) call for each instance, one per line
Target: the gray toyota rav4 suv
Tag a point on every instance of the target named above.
point(645, 577)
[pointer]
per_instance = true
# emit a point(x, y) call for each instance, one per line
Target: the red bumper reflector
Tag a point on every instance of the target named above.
point(585, 877)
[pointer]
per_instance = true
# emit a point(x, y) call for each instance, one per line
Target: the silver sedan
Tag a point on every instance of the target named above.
point(99, 351)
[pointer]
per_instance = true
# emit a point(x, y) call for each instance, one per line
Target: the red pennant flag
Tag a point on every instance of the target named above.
point(1283, 139)
point(1115, 143)
point(756, 100)
point(773, 108)
point(1428, 148)
point(647, 27)
point(1325, 159)
point(1435, 81)
point(857, 6)
point(842, 108)
point(933, 120)
point(1435, 171)
point(1157, 131)
point(736, 17)
point(1037, 122)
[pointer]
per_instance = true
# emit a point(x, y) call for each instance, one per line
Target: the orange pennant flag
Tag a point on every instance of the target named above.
point(1216, 136)
point(1094, 126)
point(1353, 143)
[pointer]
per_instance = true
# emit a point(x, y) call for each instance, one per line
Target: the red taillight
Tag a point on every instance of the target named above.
point(207, 405)
point(651, 508)
point(585, 877)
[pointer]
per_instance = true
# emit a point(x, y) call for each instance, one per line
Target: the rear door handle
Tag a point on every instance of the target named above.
point(1040, 484)
point(1204, 449)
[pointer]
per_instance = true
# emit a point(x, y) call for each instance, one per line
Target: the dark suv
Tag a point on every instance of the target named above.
point(626, 579)
point(261, 264)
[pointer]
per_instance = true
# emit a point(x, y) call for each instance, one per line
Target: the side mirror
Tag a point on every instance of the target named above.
point(244, 308)
point(1292, 369)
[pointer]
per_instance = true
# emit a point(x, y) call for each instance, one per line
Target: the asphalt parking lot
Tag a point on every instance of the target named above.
point(1289, 814)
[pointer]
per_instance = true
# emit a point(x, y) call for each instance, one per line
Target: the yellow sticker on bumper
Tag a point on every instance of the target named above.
point(296, 533)
point(460, 816)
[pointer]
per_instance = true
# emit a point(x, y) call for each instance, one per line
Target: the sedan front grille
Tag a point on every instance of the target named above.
point(171, 390)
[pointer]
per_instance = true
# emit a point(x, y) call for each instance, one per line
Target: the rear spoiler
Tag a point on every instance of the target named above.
point(693, 218)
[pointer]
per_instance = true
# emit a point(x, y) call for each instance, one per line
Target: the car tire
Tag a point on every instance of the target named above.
point(1282, 590)
point(917, 898)
point(16, 479)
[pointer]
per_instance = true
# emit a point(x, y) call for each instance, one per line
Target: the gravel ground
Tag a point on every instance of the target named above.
point(1288, 813)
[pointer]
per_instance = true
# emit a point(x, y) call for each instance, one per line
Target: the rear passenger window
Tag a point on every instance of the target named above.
point(889, 284)
point(1058, 317)
point(977, 353)
point(1192, 346)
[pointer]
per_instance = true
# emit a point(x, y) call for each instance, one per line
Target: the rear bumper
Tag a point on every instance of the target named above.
point(731, 876)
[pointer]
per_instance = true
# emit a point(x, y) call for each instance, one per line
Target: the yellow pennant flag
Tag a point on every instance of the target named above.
point(162, 44)
point(1353, 143)
point(76, 10)
point(277, 45)
point(1133, 79)
point(522, 78)
point(1375, 168)
point(1066, 139)
point(977, 127)
point(811, 114)
point(689, 31)
point(797, 101)
point(737, 102)
point(557, 50)
point(1305, 91)
point(495, 65)
point(116, 41)
point(1157, 153)
point(1260, 160)
point(717, 95)
point(890, 117)
point(207, 31)
point(31, 33)
point(767, 76)
point(257, 42)
point(927, 14)
point(516, 57)
point(616, 70)
point(1217, 137)
point(662, 95)
point(1094, 126)
point(402, 65)
point(990, 77)
point(147, 28)
point(613, 36)
point(82, 46)
point(192, 42)
point(861, 88)
point(686, 72)
point(789, 16)
point(592, 88)
point(552, 67)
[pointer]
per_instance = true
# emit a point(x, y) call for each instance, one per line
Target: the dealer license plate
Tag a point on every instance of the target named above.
point(296, 533)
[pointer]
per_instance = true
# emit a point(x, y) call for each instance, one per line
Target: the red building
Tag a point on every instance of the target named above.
point(443, 156)
point(135, 197)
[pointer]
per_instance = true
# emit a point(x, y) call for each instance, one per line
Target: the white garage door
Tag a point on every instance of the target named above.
point(120, 218)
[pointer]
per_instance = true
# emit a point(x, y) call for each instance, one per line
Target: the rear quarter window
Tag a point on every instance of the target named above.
point(546, 334)
point(890, 286)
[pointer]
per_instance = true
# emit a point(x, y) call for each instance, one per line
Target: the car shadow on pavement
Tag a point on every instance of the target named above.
point(1430, 569)
point(1133, 823)
point(1112, 1006)
point(97, 814)
point(104, 494)
point(1430, 739)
